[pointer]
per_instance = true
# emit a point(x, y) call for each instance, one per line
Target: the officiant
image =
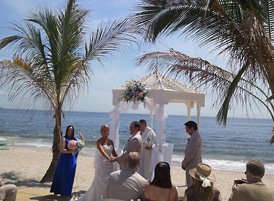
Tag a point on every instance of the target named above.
point(148, 139)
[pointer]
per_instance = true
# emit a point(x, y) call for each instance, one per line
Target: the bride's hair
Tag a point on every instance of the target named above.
point(104, 126)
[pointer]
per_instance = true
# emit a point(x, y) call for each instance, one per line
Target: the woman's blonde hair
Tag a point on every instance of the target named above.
point(104, 126)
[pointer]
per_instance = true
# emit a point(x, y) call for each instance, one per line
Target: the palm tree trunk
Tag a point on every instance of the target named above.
point(48, 177)
point(272, 139)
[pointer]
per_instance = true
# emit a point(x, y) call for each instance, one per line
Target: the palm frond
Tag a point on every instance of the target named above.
point(8, 40)
point(229, 26)
point(108, 38)
point(223, 111)
point(237, 28)
point(269, 25)
point(50, 53)
point(22, 82)
point(225, 87)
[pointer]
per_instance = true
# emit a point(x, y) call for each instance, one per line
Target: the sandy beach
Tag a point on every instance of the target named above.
point(25, 166)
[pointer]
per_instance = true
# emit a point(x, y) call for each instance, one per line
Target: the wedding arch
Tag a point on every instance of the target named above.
point(162, 90)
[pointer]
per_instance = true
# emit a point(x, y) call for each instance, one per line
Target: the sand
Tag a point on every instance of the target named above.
point(25, 166)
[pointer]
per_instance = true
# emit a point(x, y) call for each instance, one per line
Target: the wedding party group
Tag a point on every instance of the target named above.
point(131, 176)
point(128, 173)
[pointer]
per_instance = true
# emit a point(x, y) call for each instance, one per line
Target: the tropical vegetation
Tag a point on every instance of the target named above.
point(238, 28)
point(52, 61)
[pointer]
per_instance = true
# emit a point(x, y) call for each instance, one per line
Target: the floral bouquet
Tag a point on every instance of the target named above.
point(76, 144)
point(135, 91)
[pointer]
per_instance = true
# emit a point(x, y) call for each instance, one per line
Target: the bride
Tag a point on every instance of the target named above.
point(103, 166)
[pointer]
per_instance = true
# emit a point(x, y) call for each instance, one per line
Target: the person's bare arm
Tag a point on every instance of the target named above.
point(81, 136)
point(63, 147)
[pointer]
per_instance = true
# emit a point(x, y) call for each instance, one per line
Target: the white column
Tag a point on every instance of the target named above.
point(115, 125)
point(188, 112)
point(198, 114)
point(159, 115)
point(151, 119)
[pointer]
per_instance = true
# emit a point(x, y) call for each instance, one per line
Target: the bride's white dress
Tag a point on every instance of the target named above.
point(102, 170)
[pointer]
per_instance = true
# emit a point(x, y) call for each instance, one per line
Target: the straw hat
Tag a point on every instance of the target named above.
point(202, 173)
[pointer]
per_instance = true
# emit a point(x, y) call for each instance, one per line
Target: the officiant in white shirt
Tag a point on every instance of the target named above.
point(148, 139)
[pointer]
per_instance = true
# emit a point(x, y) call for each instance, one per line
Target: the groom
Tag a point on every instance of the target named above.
point(134, 144)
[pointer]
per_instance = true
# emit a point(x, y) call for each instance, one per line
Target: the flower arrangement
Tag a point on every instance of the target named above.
point(73, 145)
point(135, 91)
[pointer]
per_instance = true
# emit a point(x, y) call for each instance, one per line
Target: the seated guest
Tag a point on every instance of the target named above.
point(127, 184)
point(202, 188)
point(7, 192)
point(161, 188)
point(254, 189)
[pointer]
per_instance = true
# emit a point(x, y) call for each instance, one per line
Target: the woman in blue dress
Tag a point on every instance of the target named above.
point(65, 170)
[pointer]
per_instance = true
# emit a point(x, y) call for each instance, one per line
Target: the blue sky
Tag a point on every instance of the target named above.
point(119, 67)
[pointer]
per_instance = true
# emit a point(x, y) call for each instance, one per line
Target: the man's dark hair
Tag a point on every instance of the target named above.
point(143, 121)
point(191, 124)
point(256, 168)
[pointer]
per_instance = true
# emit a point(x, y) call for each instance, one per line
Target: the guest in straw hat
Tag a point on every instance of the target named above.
point(202, 188)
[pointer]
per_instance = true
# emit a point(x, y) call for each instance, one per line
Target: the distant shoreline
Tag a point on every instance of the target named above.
point(136, 112)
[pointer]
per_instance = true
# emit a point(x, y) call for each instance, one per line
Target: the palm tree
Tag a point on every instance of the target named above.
point(52, 61)
point(242, 29)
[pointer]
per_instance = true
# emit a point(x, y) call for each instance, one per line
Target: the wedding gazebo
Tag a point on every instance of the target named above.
point(162, 90)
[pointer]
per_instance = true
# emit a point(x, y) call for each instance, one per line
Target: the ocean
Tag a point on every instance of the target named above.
point(225, 148)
